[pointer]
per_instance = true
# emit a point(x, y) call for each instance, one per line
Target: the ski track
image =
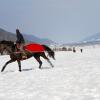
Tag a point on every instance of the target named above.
point(76, 76)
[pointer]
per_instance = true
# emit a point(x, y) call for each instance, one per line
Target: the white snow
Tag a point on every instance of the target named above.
point(76, 76)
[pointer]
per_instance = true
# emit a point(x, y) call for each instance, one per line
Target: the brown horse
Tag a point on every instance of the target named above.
point(17, 56)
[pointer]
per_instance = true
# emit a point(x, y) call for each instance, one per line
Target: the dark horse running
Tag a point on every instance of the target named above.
point(17, 56)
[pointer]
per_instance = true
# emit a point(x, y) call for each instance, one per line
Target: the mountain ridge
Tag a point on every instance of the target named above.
point(92, 38)
point(9, 36)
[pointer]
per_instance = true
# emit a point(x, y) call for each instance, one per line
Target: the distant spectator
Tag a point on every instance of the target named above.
point(81, 50)
point(74, 49)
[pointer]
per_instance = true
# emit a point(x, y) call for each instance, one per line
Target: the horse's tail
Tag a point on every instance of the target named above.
point(50, 52)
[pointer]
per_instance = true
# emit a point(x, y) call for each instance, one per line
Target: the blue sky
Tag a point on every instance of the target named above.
point(63, 21)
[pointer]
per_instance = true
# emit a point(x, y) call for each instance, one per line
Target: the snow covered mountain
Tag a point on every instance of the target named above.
point(93, 38)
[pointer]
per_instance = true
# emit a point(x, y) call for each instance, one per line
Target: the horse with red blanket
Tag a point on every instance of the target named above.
point(30, 50)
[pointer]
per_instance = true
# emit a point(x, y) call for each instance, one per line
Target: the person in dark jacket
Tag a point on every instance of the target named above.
point(20, 42)
point(20, 38)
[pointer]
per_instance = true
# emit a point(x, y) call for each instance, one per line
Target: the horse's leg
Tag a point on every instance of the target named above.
point(10, 61)
point(50, 63)
point(44, 56)
point(19, 64)
point(39, 61)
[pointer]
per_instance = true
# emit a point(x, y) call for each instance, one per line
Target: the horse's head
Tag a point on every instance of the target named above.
point(52, 54)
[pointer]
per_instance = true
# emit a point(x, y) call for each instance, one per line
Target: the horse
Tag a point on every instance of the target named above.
point(17, 56)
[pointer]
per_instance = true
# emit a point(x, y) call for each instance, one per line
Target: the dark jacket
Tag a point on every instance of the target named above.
point(20, 38)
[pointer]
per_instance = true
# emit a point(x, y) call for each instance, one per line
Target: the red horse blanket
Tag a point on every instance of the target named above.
point(34, 47)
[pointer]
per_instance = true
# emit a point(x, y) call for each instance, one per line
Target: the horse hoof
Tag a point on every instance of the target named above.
point(2, 70)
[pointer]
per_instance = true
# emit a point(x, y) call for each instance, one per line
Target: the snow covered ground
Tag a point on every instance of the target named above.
point(76, 76)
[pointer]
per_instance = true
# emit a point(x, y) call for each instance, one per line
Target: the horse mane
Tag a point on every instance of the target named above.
point(7, 42)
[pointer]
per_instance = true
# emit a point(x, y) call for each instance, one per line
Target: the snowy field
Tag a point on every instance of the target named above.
point(76, 76)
